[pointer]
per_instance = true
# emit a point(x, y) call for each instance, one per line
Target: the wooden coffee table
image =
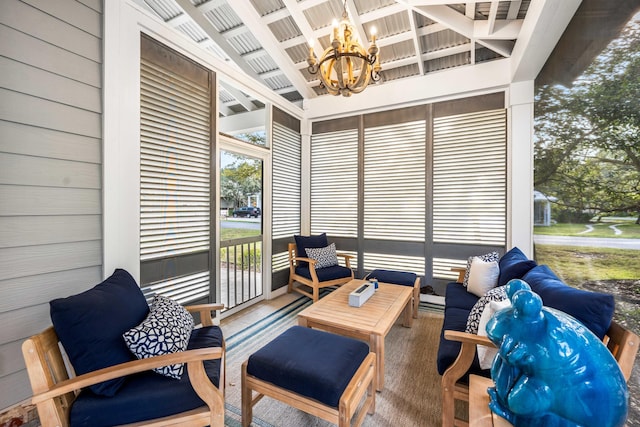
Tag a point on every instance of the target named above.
point(371, 322)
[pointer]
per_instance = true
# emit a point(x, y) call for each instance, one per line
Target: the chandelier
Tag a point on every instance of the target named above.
point(346, 67)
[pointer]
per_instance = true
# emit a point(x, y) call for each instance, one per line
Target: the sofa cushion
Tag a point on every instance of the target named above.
point(457, 296)
point(455, 319)
point(403, 278)
point(90, 325)
point(147, 395)
point(325, 257)
point(310, 362)
point(324, 274)
point(513, 265)
point(304, 242)
point(593, 309)
point(166, 330)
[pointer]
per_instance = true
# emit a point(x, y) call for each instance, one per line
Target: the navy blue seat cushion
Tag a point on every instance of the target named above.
point(304, 242)
point(455, 319)
point(324, 274)
point(148, 395)
point(90, 325)
point(392, 276)
point(513, 265)
point(456, 295)
point(593, 309)
point(313, 363)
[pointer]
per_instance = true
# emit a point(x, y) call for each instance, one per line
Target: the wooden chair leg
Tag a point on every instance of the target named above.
point(247, 404)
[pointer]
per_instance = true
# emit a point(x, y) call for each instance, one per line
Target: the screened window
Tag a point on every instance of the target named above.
point(175, 175)
point(286, 189)
point(334, 183)
point(394, 182)
point(469, 178)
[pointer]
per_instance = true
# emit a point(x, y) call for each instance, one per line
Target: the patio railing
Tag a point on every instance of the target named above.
point(240, 270)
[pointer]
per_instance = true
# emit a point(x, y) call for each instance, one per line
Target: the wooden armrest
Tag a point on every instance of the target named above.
point(465, 337)
point(128, 368)
point(345, 256)
point(205, 311)
point(312, 262)
point(461, 271)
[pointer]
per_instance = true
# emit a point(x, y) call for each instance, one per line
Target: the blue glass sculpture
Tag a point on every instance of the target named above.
point(550, 370)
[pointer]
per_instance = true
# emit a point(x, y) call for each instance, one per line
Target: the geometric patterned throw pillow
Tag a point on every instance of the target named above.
point(325, 257)
point(166, 330)
point(473, 321)
point(491, 256)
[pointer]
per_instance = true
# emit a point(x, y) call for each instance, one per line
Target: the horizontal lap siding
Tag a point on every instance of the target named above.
point(50, 168)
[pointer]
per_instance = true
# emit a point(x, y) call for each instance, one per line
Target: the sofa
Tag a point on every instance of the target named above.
point(457, 356)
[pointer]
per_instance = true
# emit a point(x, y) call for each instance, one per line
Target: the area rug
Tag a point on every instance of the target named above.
point(411, 396)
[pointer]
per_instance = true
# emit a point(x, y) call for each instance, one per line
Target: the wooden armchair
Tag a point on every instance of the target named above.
point(55, 388)
point(315, 278)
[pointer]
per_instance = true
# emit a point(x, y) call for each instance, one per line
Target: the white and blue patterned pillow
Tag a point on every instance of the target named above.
point(166, 330)
point(495, 294)
point(325, 257)
point(491, 256)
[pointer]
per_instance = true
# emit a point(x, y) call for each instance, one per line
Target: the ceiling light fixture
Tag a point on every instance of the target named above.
point(346, 67)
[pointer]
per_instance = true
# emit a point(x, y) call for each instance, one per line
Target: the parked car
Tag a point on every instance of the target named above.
point(248, 211)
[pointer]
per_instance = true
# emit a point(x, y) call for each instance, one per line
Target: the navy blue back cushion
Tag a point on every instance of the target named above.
point(304, 242)
point(309, 362)
point(148, 395)
point(513, 265)
point(457, 296)
point(90, 325)
point(392, 276)
point(593, 309)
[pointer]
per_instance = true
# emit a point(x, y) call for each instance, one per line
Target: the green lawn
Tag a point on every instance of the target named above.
point(236, 233)
point(576, 265)
point(628, 228)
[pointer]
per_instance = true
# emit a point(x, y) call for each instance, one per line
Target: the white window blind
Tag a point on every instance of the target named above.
point(394, 181)
point(286, 182)
point(334, 183)
point(469, 178)
point(175, 161)
point(412, 264)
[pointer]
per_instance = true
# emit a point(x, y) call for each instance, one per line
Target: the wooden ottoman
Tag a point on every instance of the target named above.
point(320, 373)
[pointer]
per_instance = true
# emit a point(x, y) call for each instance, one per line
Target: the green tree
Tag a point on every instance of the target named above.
point(240, 179)
point(587, 151)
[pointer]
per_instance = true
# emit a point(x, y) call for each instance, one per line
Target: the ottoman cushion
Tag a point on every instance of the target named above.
point(312, 363)
point(392, 276)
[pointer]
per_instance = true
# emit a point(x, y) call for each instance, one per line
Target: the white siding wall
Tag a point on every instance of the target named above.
point(50, 168)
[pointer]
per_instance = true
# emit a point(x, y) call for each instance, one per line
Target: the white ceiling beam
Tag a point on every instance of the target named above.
point(252, 20)
point(308, 4)
point(276, 16)
point(543, 26)
point(302, 23)
point(240, 96)
point(502, 30)
point(416, 41)
point(457, 22)
point(357, 23)
point(514, 8)
point(493, 13)
point(218, 38)
point(470, 10)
